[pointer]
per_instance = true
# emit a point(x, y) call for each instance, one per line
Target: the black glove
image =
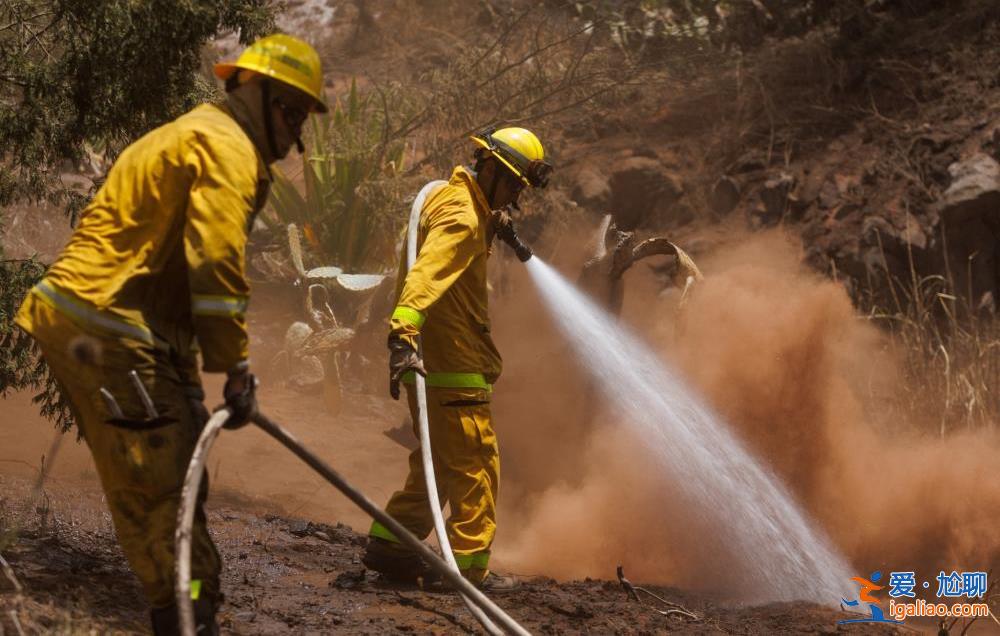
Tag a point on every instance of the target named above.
point(503, 227)
point(402, 358)
point(240, 394)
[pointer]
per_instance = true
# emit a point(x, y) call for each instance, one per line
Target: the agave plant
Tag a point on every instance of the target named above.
point(351, 209)
point(343, 221)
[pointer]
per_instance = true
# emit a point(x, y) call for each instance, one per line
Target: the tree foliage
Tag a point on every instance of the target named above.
point(79, 76)
point(20, 365)
point(671, 26)
point(76, 73)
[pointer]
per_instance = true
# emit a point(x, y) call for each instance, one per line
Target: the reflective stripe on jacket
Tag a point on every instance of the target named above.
point(444, 297)
point(161, 247)
point(87, 316)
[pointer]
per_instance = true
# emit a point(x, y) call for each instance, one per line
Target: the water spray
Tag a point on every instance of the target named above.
point(778, 552)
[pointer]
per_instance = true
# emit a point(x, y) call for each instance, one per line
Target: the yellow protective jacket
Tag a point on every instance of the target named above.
point(444, 297)
point(158, 255)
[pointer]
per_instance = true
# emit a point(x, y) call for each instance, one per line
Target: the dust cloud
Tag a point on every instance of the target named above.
point(776, 349)
point(784, 358)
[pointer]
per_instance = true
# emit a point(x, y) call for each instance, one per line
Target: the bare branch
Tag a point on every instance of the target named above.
point(20, 21)
point(673, 608)
point(9, 573)
point(503, 36)
point(534, 53)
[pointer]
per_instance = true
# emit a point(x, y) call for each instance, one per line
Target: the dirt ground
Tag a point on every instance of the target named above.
point(290, 575)
point(292, 546)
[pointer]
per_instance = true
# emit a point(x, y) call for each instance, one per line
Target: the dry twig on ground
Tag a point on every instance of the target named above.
point(675, 609)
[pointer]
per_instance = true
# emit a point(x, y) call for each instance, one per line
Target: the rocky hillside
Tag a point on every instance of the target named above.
point(876, 143)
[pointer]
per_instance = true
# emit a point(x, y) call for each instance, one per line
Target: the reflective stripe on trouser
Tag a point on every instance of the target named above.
point(451, 380)
point(467, 469)
point(141, 471)
point(465, 561)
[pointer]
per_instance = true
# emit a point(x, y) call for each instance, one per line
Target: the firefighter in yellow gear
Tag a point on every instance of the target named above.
point(443, 299)
point(155, 272)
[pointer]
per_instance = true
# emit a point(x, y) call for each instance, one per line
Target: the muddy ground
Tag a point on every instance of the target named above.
point(288, 572)
point(289, 575)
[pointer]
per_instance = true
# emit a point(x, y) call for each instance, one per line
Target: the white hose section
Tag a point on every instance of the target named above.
point(196, 468)
point(424, 425)
point(185, 521)
point(189, 499)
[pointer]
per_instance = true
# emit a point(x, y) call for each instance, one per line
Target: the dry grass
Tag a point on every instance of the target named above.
point(948, 348)
point(63, 516)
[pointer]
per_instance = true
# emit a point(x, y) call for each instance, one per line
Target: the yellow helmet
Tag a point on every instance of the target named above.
point(518, 149)
point(284, 58)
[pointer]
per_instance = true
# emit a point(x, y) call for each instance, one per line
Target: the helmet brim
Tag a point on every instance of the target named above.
point(225, 70)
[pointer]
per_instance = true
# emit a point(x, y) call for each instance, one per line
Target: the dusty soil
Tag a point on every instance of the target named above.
point(286, 574)
point(291, 545)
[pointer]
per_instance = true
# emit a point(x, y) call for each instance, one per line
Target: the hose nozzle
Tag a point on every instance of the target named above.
point(523, 251)
point(505, 230)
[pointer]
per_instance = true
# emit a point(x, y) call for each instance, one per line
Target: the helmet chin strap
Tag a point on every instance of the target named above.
point(265, 107)
point(494, 183)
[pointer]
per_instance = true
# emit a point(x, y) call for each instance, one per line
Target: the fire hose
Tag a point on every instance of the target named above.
point(523, 253)
point(189, 497)
point(424, 425)
point(481, 607)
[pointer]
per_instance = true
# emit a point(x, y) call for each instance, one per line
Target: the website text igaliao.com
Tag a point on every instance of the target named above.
point(922, 608)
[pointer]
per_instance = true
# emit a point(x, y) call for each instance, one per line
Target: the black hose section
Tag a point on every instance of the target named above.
point(511, 238)
point(404, 535)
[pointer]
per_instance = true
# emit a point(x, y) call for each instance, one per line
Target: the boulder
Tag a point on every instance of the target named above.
point(775, 196)
point(591, 189)
point(974, 190)
point(969, 212)
point(877, 230)
point(725, 195)
point(642, 193)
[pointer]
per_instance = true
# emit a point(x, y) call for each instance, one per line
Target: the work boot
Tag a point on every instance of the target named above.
point(396, 563)
point(490, 582)
point(166, 622)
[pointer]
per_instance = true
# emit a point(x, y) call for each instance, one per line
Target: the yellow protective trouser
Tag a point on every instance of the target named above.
point(141, 471)
point(467, 470)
